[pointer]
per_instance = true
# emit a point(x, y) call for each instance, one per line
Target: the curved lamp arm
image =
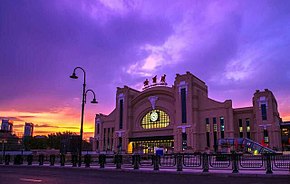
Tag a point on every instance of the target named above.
point(94, 99)
point(74, 76)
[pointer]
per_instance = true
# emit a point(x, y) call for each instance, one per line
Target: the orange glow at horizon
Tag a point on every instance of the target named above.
point(61, 120)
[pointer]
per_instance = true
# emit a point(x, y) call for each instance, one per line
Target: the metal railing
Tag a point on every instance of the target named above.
point(233, 162)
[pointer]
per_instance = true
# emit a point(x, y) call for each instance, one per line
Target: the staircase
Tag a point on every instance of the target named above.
point(251, 146)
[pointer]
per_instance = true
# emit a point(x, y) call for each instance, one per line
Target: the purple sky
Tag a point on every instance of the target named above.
point(236, 47)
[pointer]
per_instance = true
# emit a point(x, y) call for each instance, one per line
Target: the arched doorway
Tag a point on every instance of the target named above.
point(155, 120)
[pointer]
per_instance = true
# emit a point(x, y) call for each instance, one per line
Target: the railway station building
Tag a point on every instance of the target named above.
point(182, 118)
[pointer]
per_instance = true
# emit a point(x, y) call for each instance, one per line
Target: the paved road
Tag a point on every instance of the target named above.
point(59, 175)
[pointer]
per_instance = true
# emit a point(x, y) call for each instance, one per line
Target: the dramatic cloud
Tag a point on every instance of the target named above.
point(235, 47)
point(11, 118)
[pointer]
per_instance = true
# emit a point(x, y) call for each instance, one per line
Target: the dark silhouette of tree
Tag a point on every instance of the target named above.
point(87, 146)
point(37, 142)
point(52, 141)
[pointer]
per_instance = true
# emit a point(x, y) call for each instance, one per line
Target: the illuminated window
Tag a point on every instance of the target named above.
point(222, 123)
point(285, 132)
point(207, 132)
point(266, 137)
point(215, 143)
point(241, 128)
point(148, 146)
point(214, 125)
point(207, 125)
point(155, 119)
point(248, 128)
point(184, 141)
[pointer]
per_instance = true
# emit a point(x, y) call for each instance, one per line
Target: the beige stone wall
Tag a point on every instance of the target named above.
point(198, 107)
point(273, 119)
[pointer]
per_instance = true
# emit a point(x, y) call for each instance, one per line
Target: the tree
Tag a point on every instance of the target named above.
point(55, 139)
point(36, 142)
point(52, 141)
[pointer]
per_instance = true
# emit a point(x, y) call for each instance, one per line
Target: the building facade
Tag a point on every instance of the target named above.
point(183, 118)
point(7, 125)
point(28, 129)
point(285, 128)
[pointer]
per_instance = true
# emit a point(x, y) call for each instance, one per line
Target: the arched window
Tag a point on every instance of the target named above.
point(155, 119)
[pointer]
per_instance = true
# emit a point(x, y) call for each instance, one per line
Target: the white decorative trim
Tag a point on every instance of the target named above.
point(182, 85)
point(184, 127)
point(265, 126)
point(263, 100)
point(153, 100)
point(121, 96)
point(119, 132)
point(98, 121)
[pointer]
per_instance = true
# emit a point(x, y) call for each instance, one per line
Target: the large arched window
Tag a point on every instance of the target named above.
point(155, 119)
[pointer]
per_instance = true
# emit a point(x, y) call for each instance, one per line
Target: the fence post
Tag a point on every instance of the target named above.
point(235, 159)
point(18, 160)
point(62, 159)
point(87, 160)
point(7, 159)
point(136, 161)
point(74, 160)
point(118, 161)
point(205, 165)
point(102, 160)
point(179, 162)
point(155, 162)
point(52, 159)
point(268, 163)
point(41, 159)
point(29, 159)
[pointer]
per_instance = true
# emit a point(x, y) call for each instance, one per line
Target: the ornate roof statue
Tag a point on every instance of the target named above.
point(163, 80)
point(146, 82)
point(154, 79)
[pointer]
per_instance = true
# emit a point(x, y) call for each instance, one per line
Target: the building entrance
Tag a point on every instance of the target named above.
point(146, 145)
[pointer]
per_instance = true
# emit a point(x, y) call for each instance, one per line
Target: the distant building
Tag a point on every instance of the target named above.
point(285, 133)
point(28, 129)
point(8, 140)
point(7, 125)
point(184, 118)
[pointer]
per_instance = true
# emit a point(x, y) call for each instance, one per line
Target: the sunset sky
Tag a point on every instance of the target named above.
point(236, 47)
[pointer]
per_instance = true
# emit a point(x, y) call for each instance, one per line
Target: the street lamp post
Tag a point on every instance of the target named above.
point(74, 76)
